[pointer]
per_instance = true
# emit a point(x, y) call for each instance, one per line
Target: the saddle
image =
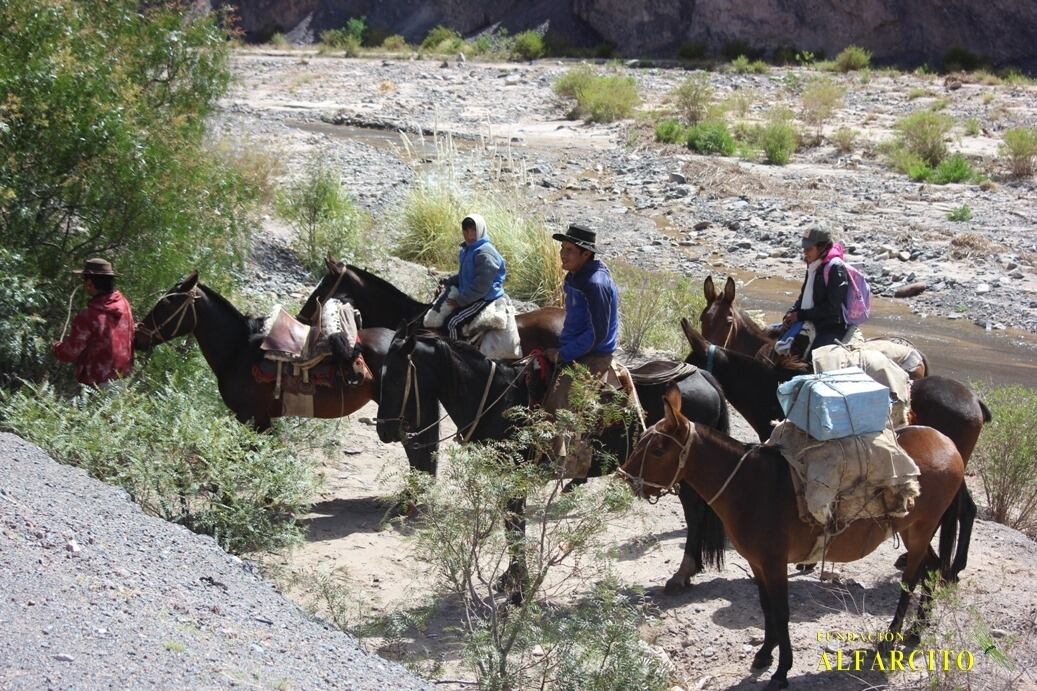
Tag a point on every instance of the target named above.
point(289, 340)
point(661, 372)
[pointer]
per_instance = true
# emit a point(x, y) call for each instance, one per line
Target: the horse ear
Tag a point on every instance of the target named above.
point(695, 339)
point(709, 291)
point(672, 405)
point(190, 281)
point(729, 290)
point(331, 264)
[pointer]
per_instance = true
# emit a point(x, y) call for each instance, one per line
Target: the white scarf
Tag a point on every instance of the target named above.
point(808, 288)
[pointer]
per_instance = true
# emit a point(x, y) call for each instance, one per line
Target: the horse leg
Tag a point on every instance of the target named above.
point(777, 584)
point(930, 567)
point(966, 517)
point(918, 553)
point(765, 655)
point(691, 564)
point(513, 580)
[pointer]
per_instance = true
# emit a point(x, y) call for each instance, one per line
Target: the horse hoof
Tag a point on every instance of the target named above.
point(901, 562)
point(805, 568)
point(762, 661)
point(676, 585)
point(777, 684)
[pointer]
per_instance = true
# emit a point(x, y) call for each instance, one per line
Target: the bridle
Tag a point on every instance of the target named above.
point(640, 483)
point(334, 288)
point(155, 330)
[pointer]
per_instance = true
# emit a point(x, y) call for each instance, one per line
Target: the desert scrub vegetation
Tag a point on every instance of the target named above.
point(920, 150)
point(348, 39)
point(441, 39)
point(1019, 149)
point(559, 638)
point(743, 65)
point(820, 100)
point(844, 138)
point(852, 58)
point(103, 158)
point(172, 445)
point(528, 45)
point(648, 301)
point(431, 222)
point(711, 138)
point(670, 132)
point(692, 98)
point(324, 217)
point(598, 98)
point(960, 214)
point(1005, 456)
point(396, 43)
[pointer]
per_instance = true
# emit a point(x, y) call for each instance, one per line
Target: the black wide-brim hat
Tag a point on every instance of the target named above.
point(581, 236)
point(96, 267)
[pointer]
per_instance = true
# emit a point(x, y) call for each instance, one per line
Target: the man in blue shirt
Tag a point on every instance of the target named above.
point(590, 334)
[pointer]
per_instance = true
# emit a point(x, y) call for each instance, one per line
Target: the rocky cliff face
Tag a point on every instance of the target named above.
point(895, 31)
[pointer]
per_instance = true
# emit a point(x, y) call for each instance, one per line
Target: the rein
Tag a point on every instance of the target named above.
point(711, 356)
point(179, 313)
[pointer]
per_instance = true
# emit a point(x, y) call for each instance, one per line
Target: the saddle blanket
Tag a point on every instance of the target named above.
point(844, 480)
point(493, 331)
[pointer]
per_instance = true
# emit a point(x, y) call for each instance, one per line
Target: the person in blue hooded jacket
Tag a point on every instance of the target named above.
point(480, 276)
point(590, 334)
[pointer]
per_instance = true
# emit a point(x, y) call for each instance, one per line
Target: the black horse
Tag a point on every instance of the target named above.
point(944, 404)
point(422, 370)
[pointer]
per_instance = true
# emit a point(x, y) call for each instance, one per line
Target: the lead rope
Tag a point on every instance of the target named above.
point(480, 410)
point(68, 317)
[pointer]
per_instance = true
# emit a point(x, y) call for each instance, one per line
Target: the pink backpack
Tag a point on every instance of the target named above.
point(857, 307)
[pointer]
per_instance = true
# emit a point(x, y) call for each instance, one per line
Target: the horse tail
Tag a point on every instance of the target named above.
point(712, 539)
point(949, 534)
point(987, 415)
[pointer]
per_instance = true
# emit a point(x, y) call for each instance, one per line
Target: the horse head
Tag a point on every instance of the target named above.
point(400, 388)
point(719, 319)
point(658, 459)
point(173, 315)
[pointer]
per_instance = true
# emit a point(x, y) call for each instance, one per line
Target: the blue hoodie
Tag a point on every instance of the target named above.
point(481, 269)
point(591, 313)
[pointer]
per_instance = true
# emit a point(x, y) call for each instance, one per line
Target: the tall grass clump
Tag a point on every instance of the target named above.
point(924, 134)
point(598, 98)
point(1005, 456)
point(648, 302)
point(324, 218)
point(1019, 148)
point(103, 132)
point(852, 58)
point(431, 221)
point(711, 138)
point(670, 132)
point(777, 139)
point(177, 451)
point(821, 98)
point(442, 39)
point(343, 39)
point(395, 43)
point(692, 98)
point(587, 640)
point(743, 65)
point(528, 45)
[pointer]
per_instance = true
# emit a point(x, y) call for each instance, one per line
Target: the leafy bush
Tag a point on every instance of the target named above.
point(528, 45)
point(955, 168)
point(692, 98)
point(1004, 456)
point(1019, 147)
point(278, 40)
point(442, 39)
point(691, 50)
point(598, 98)
point(23, 332)
point(742, 65)
point(821, 98)
point(431, 221)
point(923, 133)
point(960, 214)
point(356, 27)
point(778, 138)
point(711, 138)
point(852, 58)
point(670, 132)
point(340, 39)
point(102, 127)
point(648, 301)
point(180, 455)
point(395, 43)
point(324, 218)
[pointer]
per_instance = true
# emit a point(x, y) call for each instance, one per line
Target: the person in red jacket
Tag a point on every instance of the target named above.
point(100, 342)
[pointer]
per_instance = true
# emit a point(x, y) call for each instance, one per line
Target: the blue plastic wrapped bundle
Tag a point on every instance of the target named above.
point(836, 404)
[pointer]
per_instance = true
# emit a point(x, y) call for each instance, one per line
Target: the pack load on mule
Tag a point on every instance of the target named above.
point(839, 442)
point(298, 357)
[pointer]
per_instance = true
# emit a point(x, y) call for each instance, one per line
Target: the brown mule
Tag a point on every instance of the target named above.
point(382, 304)
point(732, 476)
point(726, 325)
point(225, 339)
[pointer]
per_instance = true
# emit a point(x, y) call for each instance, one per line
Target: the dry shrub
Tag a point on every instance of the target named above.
point(969, 244)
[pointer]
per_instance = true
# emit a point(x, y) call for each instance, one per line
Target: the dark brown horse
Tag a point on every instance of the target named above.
point(225, 337)
point(382, 304)
point(750, 488)
point(944, 404)
point(726, 325)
